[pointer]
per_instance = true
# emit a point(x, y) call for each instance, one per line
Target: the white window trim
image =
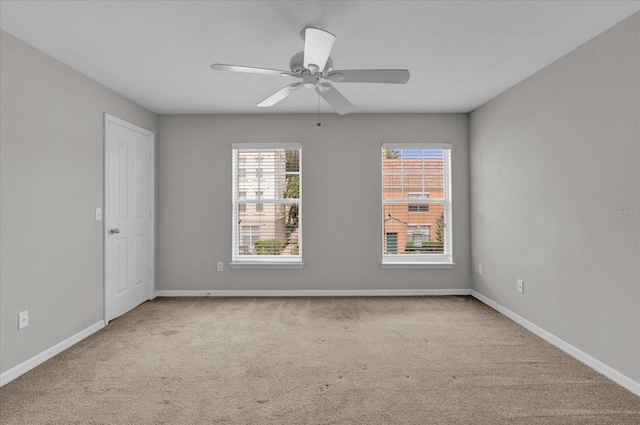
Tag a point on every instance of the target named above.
point(263, 261)
point(416, 265)
point(445, 260)
point(266, 265)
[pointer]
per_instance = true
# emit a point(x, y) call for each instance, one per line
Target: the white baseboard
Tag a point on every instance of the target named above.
point(315, 293)
point(38, 359)
point(578, 354)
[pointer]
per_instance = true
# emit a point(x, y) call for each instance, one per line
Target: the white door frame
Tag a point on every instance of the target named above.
point(106, 219)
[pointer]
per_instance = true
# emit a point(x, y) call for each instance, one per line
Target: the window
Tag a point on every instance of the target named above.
point(417, 234)
point(242, 196)
point(259, 206)
point(258, 161)
point(242, 168)
point(267, 233)
point(416, 205)
point(249, 235)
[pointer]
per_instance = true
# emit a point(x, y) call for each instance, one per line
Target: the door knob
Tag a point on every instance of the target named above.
point(114, 231)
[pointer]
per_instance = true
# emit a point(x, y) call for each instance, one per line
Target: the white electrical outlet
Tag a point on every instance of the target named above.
point(23, 319)
point(521, 286)
point(220, 266)
point(480, 269)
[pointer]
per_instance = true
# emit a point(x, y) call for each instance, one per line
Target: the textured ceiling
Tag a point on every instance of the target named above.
point(157, 53)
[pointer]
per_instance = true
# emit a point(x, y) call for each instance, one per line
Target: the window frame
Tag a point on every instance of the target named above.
point(240, 261)
point(444, 260)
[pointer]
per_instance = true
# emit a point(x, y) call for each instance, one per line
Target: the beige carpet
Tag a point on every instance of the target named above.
point(405, 360)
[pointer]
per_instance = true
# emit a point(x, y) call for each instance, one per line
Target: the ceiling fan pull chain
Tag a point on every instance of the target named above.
point(318, 124)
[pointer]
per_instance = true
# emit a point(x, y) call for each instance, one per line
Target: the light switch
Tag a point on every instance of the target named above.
point(98, 214)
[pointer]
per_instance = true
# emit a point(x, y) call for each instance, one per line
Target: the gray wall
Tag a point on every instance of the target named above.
point(549, 158)
point(341, 219)
point(51, 181)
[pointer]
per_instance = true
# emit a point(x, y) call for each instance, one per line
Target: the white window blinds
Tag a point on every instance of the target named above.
point(266, 205)
point(416, 204)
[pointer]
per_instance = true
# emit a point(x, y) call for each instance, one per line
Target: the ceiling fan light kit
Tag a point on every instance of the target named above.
point(314, 67)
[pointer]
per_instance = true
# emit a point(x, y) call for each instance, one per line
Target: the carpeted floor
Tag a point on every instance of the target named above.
point(396, 360)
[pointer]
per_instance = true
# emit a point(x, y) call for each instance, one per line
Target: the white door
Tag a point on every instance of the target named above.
point(128, 216)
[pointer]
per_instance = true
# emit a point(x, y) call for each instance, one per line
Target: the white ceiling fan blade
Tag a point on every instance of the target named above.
point(387, 76)
point(252, 70)
point(280, 95)
point(335, 99)
point(317, 47)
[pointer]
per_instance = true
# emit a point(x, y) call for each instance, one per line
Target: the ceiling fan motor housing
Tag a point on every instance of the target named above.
point(296, 64)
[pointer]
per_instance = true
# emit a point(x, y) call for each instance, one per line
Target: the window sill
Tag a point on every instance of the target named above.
point(258, 265)
point(417, 265)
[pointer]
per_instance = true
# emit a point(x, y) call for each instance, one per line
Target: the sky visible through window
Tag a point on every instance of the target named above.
point(422, 153)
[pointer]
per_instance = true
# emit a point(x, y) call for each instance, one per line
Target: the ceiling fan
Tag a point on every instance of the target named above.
point(314, 68)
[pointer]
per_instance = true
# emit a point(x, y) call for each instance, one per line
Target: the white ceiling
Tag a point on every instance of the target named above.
point(157, 53)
